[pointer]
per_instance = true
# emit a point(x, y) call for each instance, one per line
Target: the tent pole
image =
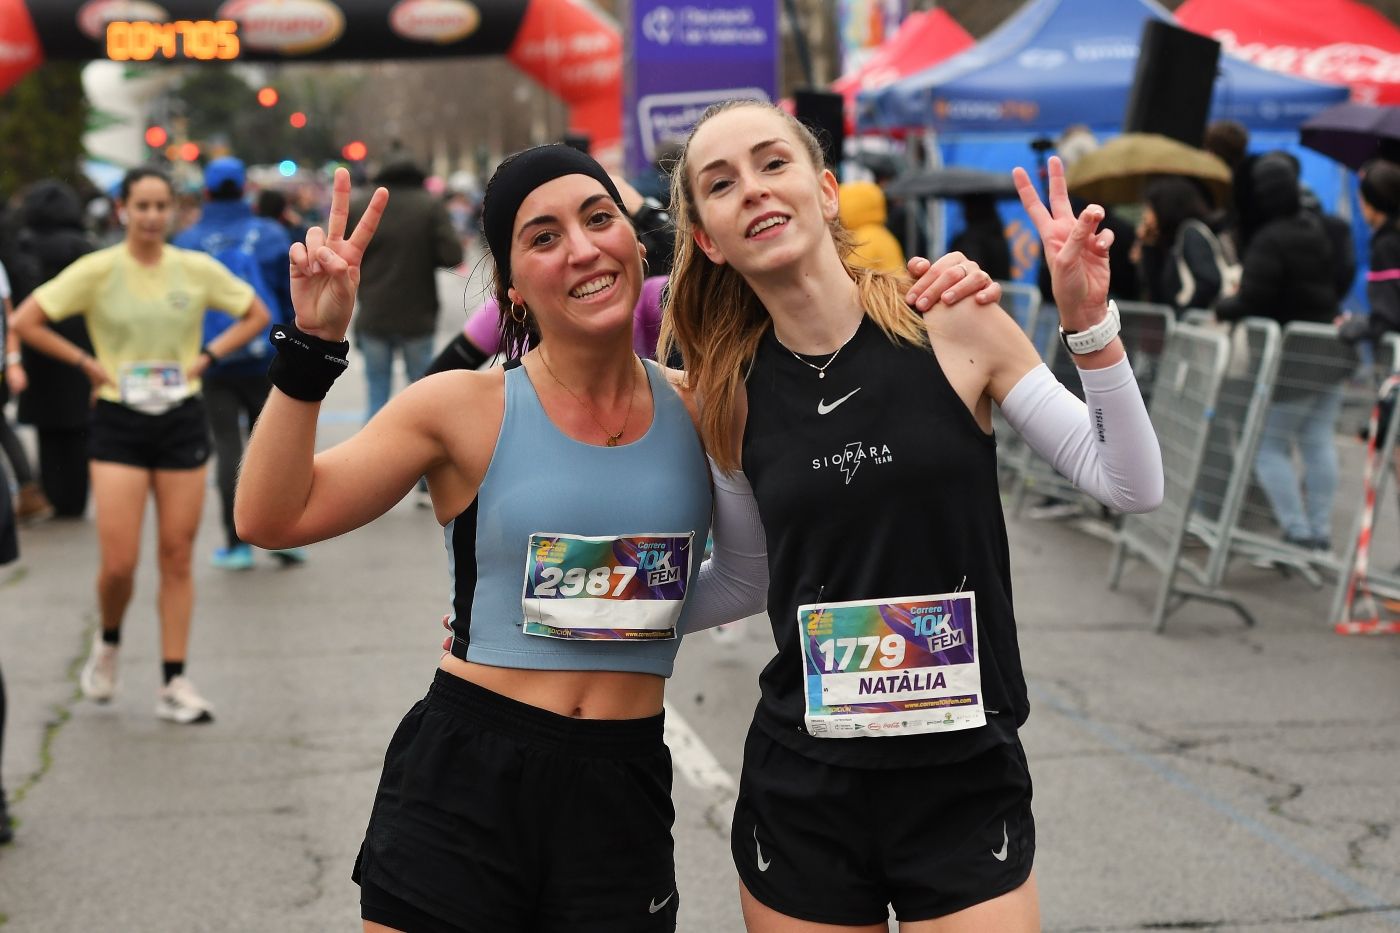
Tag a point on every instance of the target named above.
point(799, 38)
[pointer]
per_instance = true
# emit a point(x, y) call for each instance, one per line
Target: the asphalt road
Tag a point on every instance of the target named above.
point(1211, 778)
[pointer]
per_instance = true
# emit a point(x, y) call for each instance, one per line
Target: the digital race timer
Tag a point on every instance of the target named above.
point(199, 39)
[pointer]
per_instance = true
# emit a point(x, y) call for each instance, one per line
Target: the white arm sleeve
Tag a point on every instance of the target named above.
point(733, 582)
point(1105, 445)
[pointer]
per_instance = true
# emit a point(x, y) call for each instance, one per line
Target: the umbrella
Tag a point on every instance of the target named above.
point(1354, 133)
point(954, 181)
point(1117, 171)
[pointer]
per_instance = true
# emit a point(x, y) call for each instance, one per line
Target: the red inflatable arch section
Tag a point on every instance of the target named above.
point(564, 45)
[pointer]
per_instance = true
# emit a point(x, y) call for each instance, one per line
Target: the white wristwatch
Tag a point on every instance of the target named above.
point(1095, 338)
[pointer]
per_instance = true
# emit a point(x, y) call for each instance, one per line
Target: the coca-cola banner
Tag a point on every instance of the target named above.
point(566, 45)
point(1341, 41)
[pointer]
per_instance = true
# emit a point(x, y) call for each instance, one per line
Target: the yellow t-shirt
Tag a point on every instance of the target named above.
point(146, 322)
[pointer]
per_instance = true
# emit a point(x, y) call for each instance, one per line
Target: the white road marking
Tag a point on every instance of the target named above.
point(693, 761)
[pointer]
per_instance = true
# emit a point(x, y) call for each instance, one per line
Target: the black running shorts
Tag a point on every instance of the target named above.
point(174, 440)
point(832, 844)
point(493, 816)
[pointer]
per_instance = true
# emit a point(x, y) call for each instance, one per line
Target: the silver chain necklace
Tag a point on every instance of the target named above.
point(821, 370)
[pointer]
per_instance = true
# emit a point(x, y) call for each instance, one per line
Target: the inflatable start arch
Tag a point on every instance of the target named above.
point(566, 46)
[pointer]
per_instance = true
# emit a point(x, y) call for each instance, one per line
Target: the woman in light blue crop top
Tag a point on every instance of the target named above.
point(530, 788)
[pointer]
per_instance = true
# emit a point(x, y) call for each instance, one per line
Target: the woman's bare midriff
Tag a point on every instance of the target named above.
point(578, 694)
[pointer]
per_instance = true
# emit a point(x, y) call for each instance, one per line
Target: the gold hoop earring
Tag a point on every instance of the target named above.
point(646, 268)
point(518, 312)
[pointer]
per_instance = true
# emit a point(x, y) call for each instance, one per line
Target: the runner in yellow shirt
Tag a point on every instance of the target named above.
point(144, 303)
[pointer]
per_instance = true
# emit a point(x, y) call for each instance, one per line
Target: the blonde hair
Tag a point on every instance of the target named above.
point(714, 318)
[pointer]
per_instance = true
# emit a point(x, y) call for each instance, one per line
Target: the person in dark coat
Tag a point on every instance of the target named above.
point(398, 295)
point(983, 239)
point(57, 400)
point(1179, 266)
point(1289, 276)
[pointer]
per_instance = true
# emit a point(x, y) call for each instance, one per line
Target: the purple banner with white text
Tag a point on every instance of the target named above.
point(686, 56)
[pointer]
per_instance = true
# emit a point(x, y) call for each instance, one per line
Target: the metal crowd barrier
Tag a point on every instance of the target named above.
point(1022, 302)
point(1145, 333)
point(1313, 363)
point(1228, 468)
point(1186, 390)
point(1381, 582)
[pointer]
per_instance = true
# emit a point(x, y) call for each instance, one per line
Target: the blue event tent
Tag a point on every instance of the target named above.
point(1055, 63)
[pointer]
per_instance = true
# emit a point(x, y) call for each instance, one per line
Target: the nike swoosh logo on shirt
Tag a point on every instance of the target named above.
point(763, 863)
point(823, 408)
point(655, 906)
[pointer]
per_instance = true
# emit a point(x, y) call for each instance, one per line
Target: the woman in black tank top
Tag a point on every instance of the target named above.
point(865, 432)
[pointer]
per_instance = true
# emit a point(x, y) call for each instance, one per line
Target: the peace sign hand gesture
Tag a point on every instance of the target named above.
point(326, 268)
point(1076, 255)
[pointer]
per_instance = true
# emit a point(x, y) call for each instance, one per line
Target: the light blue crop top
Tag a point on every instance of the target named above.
point(544, 484)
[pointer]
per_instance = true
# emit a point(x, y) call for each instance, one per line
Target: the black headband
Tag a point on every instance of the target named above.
point(512, 183)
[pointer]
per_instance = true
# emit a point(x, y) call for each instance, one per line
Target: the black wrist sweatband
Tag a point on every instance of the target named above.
point(305, 366)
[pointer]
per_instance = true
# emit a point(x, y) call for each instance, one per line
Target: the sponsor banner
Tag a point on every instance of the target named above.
point(20, 51)
point(577, 54)
point(862, 26)
point(1371, 72)
point(298, 29)
point(688, 55)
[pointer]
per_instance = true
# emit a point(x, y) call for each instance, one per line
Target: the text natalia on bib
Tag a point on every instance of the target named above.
point(891, 667)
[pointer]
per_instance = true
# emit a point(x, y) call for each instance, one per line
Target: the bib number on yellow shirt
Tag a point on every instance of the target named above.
point(152, 386)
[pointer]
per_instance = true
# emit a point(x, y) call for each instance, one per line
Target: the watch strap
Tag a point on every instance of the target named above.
point(1093, 339)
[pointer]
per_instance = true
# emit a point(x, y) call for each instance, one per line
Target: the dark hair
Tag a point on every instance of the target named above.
point(226, 190)
point(981, 208)
point(1380, 186)
point(143, 171)
point(1174, 200)
point(271, 203)
point(1227, 139)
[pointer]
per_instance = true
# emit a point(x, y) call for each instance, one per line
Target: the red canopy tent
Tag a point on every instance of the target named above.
point(1331, 40)
point(924, 39)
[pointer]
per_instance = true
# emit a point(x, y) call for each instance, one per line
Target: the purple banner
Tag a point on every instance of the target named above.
point(686, 56)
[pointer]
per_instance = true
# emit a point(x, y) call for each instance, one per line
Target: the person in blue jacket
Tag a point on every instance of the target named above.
point(236, 387)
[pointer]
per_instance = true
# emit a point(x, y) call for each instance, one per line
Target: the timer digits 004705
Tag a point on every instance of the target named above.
point(200, 39)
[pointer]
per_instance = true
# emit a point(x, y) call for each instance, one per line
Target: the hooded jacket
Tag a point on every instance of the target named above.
point(862, 205)
point(1288, 264)
point(398, 284)
point(52, 236)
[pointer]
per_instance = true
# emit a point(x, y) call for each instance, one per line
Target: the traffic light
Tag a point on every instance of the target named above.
point(297, 120)
point(354, 151)
point(156, 136)
point(267, 96)
point(189, 151)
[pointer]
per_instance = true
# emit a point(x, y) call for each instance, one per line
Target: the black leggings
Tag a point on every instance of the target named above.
point(14, 452)
point(229, 400)
point(63, 470)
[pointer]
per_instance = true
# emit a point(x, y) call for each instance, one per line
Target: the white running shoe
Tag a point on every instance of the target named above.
point(178, 701)
point(98, 678)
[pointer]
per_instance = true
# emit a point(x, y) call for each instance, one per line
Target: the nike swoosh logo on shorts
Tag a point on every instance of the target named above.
point(1000, 856)
point(824, 409)
point(655, 906)
point(763, 863)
